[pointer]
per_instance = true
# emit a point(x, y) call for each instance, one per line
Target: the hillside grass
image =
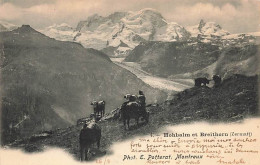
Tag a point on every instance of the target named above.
point(234, 100)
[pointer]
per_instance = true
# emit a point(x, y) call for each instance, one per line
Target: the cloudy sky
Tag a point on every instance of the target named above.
point(233, 15)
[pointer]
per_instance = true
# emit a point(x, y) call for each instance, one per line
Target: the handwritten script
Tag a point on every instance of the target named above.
point(192, 144)
point(193, 148)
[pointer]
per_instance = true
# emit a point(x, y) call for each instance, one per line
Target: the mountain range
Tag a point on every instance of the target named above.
point(209, 50)
point(48, 84)
point(120, 32)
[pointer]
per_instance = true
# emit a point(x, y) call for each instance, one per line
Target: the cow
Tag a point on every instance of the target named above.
point(130, 97)
point(132, 110)
point(89, 134)
point(201, 80)
point(127, 96)
point(99, 107)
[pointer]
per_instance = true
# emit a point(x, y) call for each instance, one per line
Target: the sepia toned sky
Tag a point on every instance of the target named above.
point(233, 15)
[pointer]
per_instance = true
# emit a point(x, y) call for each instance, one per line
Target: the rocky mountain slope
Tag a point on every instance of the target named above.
point(46, 84)
point(210, 50)
point(233, 101)
point(191, 59)
point(232, 60)
point(170, 58)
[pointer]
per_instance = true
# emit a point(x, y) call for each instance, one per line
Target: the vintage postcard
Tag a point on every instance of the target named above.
point(146, 82)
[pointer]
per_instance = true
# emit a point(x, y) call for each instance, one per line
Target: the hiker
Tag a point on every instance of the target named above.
point(217, 80)
point(141, 100)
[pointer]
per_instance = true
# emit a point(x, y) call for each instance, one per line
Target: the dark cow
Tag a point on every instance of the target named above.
point(127, 96)
point(90, 134)
point(201, 80)
point(99, 108)
point(217, 80)
point(132, 110)
point(130, 97)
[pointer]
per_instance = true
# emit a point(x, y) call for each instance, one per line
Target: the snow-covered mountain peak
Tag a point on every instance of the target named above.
point(6, 26)
point(171, 32)
point(62, 27)
point(207, 29)
point(117, 16)
point(211, 32)
point(201, 24)
point(91, 23)
point(63, 32)
point(121, 32)
point(130, 28)
point(146, 16)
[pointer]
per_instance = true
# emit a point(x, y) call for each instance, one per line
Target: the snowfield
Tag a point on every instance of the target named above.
point(132, 28)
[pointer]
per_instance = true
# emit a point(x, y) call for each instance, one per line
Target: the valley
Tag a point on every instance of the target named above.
point(169, 86)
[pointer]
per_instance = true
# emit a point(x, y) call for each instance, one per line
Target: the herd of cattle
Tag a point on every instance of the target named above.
point(134, 107)
point(99, 108)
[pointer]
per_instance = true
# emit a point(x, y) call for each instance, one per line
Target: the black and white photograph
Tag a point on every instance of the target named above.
point(129, 82)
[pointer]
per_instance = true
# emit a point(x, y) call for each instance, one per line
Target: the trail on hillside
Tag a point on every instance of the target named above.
point(169, 86)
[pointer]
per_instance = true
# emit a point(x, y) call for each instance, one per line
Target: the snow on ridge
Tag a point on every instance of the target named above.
point(8, 25)
point(131, 28)
point(207, 29)
point(63, 32)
